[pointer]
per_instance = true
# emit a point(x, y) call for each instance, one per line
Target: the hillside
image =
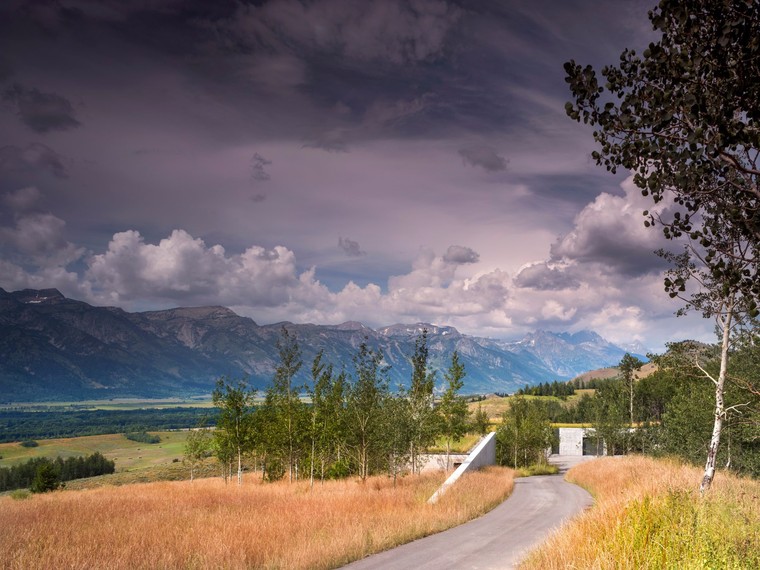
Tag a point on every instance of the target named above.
point(55, 348)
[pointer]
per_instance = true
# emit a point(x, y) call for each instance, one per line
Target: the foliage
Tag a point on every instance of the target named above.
point(452, 408)
point(40, 472)
point(480, 421)
point(286, 423)
point(525, 434)
point(233, 434)
point(364, 401)
point(29, 443)
point(198, 446)
point(143, 437)
point(683, 116)
point(45, 479)
point(422, 424)
point(610, 418)
point(628, 366)
point(20, 425)
point(559, 389)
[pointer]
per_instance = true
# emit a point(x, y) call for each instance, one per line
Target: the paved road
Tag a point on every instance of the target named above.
point(499, 539)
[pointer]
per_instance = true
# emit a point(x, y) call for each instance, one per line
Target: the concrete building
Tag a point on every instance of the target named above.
point(577, 441)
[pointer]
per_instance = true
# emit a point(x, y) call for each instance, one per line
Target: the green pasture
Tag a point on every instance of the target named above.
point(128, 455)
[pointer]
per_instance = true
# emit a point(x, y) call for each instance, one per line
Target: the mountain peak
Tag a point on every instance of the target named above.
point(352, 326)
point(38, 296)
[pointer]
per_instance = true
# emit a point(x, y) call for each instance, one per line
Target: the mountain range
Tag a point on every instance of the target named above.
point(56, 348)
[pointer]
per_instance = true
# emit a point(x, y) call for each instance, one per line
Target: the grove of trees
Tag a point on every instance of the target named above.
point(349, 422)
point(42, 474)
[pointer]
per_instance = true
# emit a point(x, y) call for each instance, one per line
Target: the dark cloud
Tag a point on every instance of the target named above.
point(459, 255)
point(331, 142)
point(257, 198)
point(5, 70)
point(34, 157)
point(350, 247)
point(21, 200)
point(258, 163)
point(544, 278)
point(483, 156)
point(41, 112)
point(610, 232)
point(394, 31)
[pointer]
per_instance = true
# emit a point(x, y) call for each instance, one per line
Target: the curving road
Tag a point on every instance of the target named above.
point(498, 539)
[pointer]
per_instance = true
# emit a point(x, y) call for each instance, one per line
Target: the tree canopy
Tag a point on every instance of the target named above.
point(684, 117)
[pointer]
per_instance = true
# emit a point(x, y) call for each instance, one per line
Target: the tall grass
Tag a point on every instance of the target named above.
point(649, 515)
point(205, 524)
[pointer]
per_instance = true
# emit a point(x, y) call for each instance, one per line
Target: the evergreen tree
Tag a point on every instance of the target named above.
point(46, 479)
point(481, 422)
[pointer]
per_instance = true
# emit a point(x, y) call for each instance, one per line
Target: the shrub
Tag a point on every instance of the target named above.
point(20, 494)
point(46, 479)
point(29, 443)
point(143, 437)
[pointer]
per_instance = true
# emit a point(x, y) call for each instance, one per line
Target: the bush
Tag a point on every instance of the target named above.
point(29, 443)
point(46, 479)
point(274, 470)
point(143, 437)
point(20, 494)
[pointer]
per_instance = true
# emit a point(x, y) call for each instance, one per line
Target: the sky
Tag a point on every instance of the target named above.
point(326, 160)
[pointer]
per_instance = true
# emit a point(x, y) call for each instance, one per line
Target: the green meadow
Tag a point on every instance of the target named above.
point(128, 455)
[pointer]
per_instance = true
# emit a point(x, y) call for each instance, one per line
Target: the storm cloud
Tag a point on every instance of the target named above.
point(155, 154)
point(41, 112)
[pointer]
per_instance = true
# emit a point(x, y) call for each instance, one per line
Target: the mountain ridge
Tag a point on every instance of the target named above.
point(56, 348)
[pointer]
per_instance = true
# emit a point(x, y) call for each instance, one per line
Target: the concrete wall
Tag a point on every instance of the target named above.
point(571, 441)
point(437, 461)
point(483, 454)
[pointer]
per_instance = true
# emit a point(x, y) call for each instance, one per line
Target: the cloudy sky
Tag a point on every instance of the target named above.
point(323, 161)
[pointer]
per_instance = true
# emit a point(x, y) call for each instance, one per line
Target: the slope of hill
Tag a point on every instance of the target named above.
point(55, 348)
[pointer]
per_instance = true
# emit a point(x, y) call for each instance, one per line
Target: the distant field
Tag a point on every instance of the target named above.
point(128, 455)
point(495, 406)
point(463, 446)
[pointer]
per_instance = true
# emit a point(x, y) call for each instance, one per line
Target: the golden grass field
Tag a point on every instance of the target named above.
point(207, 524)
point(649, 515)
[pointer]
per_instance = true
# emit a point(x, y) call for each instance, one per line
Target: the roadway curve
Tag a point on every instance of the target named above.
point(498, 539)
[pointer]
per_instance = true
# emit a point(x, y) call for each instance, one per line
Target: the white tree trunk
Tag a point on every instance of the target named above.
point(720, 412)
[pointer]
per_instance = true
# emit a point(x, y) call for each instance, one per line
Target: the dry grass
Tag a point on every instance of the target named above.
point(649, 515)
point(205, 524)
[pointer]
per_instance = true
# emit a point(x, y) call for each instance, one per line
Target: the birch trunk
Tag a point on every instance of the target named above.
point(720, 412)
